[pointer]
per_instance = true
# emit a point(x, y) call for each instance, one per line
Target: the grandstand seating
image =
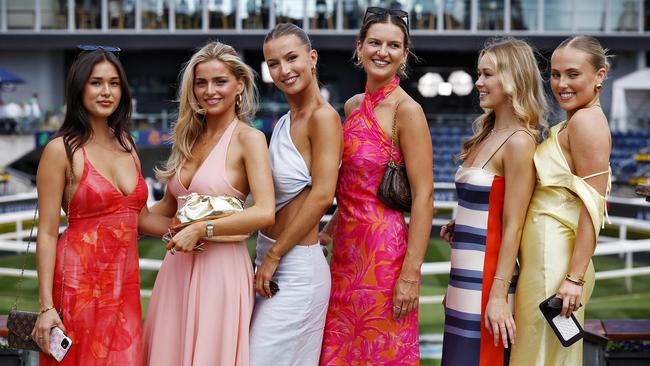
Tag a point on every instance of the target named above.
point(448, 140)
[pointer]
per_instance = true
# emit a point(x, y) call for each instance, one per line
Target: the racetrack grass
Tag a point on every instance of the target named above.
point(610, 299)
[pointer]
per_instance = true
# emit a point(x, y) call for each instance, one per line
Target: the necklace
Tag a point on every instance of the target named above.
point(495, 130)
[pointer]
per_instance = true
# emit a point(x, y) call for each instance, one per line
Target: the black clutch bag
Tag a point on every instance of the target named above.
point(567, 330)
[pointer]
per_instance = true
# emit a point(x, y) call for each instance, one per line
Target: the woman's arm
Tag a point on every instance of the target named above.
point(325, 236)
point(590, 147)
point(51, 185)
point(258, 216)
point(326, 143)
point(519, 173)
point(156, 221)
point(415, 144)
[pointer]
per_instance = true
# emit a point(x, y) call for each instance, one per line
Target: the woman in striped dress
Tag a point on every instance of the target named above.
point(494, 186)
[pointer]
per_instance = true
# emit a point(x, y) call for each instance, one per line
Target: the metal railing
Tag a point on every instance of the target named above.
point(14, 242)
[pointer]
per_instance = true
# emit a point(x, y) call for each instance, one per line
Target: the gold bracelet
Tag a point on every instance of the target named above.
point(578, 281)
point(45, 310)
point(275, 257)
point(413, 282)
point(502, 279)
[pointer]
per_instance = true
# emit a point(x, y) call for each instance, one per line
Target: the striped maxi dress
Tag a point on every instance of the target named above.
point(474, 253)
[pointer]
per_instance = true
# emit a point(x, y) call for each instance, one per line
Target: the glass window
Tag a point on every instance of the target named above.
point(646, 17)
point(457, 14)
point(87, 14)
point(188, 14)
point(289, 11)
point(155, 14)
point(222, 14)
point(353, 13)
point(590, 16)
point(424, 14)
point(490, 15)
point(121, 14)
point(254, 14)
point(54, 14)
point(20, 14)
point(322, 14)
point(557, 15)
point(624, 16)
point(523, 15)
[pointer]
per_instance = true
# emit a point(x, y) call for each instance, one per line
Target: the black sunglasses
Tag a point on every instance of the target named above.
point(379, 11)
point(91, 47)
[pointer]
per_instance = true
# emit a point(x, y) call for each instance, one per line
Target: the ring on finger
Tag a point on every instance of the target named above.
point(173, 250)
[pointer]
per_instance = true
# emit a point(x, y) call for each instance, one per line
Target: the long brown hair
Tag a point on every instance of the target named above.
point(520, 77)
point(76, 130)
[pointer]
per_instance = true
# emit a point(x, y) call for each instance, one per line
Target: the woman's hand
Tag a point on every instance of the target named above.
point(499, 321)
point(406, 296)
point(187, 239)
point(447, 231)
point(324, 237)
point(571, 294)
point(264, 274)
point(44, 324)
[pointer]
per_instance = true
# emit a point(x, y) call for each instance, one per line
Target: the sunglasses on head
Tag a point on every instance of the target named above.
point(379, 11)
point(91, 47)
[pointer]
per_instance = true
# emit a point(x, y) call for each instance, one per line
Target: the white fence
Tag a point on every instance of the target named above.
point(13, 242)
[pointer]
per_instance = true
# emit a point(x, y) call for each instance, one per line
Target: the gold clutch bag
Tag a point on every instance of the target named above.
point(199, 207)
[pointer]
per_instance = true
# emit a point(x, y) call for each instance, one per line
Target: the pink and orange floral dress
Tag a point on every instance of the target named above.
point(369, 246)
point(101, 297)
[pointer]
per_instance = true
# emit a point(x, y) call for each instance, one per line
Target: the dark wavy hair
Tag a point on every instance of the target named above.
point(75, 129)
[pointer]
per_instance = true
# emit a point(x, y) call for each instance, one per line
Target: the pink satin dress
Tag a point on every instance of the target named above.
point(202, 302)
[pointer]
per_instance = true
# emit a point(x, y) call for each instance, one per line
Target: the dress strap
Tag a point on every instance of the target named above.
point(500, 146)
point(371, 100)
point(596, 174)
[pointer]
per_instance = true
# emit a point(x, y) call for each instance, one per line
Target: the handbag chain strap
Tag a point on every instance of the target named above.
point(395, 139)
point(29, 242)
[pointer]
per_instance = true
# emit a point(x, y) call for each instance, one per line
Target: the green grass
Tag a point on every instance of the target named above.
point(609, 301)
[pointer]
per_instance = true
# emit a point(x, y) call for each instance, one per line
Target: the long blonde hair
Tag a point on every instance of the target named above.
point(191, 117)
point(519, 74)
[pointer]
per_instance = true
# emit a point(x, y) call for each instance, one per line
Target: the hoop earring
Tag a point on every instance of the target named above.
point(238, 101)
point(313, 69)
point(359, 60)
point(598, 87)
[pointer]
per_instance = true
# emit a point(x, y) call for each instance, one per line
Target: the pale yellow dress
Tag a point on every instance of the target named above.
point(546, 247)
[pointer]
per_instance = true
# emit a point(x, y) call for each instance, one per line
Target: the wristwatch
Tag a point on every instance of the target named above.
point(209, 230)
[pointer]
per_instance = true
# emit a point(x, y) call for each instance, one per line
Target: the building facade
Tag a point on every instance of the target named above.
point(38, 40)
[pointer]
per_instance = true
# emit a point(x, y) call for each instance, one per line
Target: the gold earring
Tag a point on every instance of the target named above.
point(402, 66)
point(359, 60)
point(598, 87)
point(313, 69)
point(238, 100)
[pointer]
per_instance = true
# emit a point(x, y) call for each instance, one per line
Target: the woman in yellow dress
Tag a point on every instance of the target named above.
point(566, 211)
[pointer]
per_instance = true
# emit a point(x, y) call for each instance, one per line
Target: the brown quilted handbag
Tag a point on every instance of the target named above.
point(394, 190)
point(20, 324)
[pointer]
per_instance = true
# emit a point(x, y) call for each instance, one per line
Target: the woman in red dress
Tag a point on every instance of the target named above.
point(91, 170)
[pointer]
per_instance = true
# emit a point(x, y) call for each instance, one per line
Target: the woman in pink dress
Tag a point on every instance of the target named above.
point(202, 301)
point(372, 315)
point(91, 171)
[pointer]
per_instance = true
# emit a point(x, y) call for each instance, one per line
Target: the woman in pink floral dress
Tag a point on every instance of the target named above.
point(372, 316)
